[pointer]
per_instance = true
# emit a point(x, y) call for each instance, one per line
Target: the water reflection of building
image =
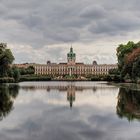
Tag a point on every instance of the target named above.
point(71, 94)
point(70, 88)
point(64, 87)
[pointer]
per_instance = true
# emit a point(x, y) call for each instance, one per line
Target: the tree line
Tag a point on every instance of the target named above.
point(128, 56)
point(8, 72)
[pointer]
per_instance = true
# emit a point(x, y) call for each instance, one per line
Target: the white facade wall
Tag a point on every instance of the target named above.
point(75, 69)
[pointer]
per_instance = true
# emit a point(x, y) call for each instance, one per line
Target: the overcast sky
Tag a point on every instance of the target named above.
point(41, 30)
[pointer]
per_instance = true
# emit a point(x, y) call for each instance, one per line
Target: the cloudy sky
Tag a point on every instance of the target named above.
point(41, 30)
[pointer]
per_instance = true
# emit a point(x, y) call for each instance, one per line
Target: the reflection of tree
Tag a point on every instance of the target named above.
point(7, 95)
point(128, 104)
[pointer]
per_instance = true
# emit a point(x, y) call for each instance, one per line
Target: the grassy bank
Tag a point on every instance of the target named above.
point(25, 78)
point(47, 78)
point(7, 80)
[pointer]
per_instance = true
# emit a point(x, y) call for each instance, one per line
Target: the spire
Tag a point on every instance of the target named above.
point(71, 49)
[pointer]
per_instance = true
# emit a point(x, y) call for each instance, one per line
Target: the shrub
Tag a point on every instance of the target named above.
point(35, 78)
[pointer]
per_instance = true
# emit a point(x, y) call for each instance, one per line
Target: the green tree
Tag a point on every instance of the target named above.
point(123, 50)
point(127, 59)
point(6, 58)
point(114, 72)
point(16, 74)
point(27, 71)
point(136, 69)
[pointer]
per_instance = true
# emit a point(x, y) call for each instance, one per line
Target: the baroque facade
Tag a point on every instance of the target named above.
point(72, 67)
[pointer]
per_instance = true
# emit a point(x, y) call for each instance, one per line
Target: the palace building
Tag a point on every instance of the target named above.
point(71, 67)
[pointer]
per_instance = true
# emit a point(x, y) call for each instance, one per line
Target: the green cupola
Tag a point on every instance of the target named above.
point(71, 56)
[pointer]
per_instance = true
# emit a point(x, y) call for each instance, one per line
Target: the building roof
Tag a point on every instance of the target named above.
point(63, 63)
point(79, 63)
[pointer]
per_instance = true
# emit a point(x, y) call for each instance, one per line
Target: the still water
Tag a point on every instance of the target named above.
point(69, 111)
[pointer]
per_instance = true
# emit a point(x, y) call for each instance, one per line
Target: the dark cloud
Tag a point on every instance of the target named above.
point(93, 12)
point(39, 23)
point(63, 21)
point(116, 24)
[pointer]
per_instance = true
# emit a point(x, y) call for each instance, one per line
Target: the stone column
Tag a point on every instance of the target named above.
point(70, 72)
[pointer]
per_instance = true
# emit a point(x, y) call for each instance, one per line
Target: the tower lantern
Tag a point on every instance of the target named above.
point(71, 56)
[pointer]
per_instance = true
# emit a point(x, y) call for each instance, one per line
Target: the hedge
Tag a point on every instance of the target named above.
point(7, 80)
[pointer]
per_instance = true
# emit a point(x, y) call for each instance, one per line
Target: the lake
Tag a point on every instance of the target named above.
point(69, 111)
